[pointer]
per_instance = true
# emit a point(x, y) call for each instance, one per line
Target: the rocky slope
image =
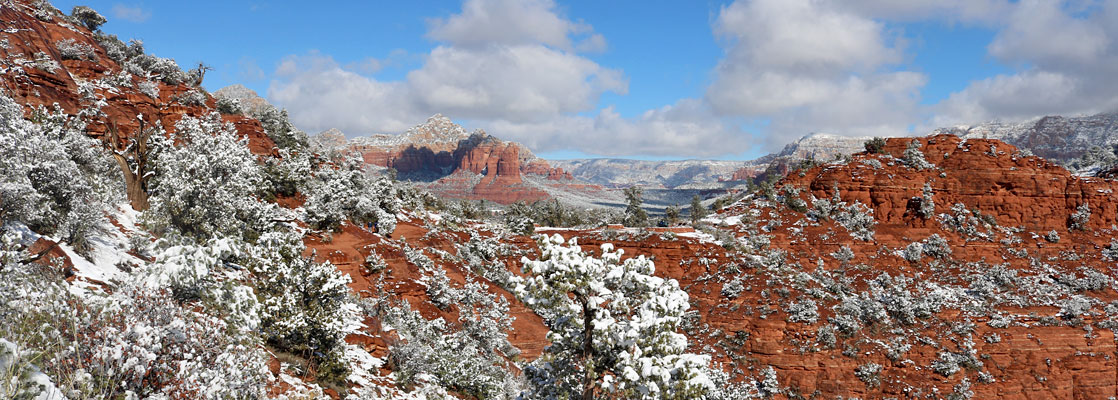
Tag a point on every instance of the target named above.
point(50, 60)
point(1056, 138)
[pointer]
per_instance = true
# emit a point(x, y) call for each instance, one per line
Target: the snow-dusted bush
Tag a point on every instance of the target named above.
point(88, 17)
point(342, 191)
point(209, 185)
point(53, 178)
point(968, 223)
point(229, 106)
point(305, 306)
point(193, 98)
point(869, 373)
point(914, 158)
point(805, 311)
point(210, 275)
point(913, 252)
point(844, 254)
point(875, 145)
point(278, 126)
point(469, 356)
point(149, 88)
point(937, 247)
point(70, 49)
point(45, 62)
point(858, 219)
point(612, 326)
point(725, 387)
point(927, 203)
point(1079, 219)
point(733, 288)
point(134, 342)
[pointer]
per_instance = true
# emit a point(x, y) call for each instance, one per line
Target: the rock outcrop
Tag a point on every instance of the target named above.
point(38, 73)
point(455, 163)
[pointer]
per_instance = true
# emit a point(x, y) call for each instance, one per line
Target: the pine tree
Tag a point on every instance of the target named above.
point(634, 213)
point(697, 210)
point(612, 327)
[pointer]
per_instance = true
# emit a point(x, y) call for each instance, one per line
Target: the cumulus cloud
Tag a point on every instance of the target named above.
point(484, 23)
point(514, 68)
point(1067, 56)
point(517, 82)
point(320, 95)
point(807, 66)
point(130, 13)
point(518, 68)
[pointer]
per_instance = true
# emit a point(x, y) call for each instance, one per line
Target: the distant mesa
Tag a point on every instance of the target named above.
point(452, 162)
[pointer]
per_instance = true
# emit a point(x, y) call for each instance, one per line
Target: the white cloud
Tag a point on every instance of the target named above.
point(512, 68)
point(687, 128)
point(807, 66)
point(516, 82)
point(319, 94)
point(518, 69)
point(130, 13)
point(1067, 55)
point(485, 23)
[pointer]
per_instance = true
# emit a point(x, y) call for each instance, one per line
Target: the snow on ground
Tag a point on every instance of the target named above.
point(698, 235)
point(109, 250)
point(12, 361)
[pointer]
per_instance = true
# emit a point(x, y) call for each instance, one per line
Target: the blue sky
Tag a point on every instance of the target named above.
point(646, 79)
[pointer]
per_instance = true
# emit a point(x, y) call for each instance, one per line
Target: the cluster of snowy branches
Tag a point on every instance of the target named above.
point(612, 327)
point(53, 178)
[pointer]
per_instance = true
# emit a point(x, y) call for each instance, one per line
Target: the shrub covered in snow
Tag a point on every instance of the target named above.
point(192, 98)
point(469, 356)
point(1079, 219)
point(53, 178)
point(88, 17)
point(627, 316)
point(805, 311)
point(209, 185)
point(869, 373)
point(134, 342)
point(229, 106)
point(914, 158)
point(72, 50)
point(858, 220)
point(305, 306)
point(342, 191)
point(277, 125)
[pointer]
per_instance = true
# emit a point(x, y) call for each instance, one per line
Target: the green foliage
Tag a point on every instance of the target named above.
point(875, 145)
point(209, 185)
point(88, 17)
point(634, 213)
point(697, 210)
point(53, 178)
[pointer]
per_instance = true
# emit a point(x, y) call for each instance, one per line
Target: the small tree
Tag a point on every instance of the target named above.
point(875, 145)
point(612, 327)
point(697, 210)
point(88, 17)
point(672, 214)
point(634, 214)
